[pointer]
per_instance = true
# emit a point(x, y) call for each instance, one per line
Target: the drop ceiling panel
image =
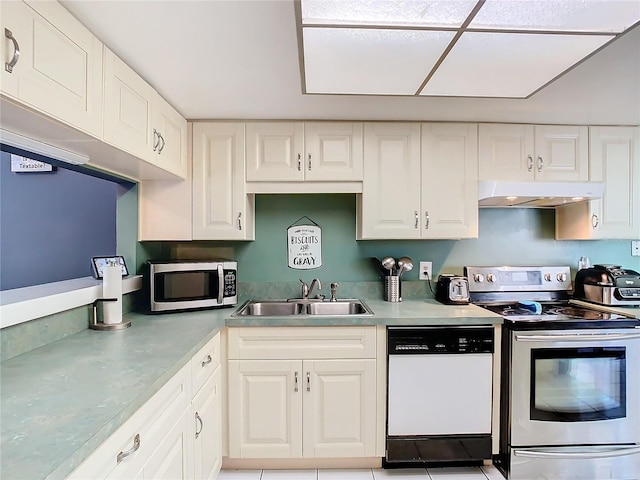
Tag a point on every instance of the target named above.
point(508, 64)
point(450, 13)
point(558, 15)
point(368, 61)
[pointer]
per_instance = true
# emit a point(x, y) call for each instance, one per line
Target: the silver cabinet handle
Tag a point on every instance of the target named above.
point(426, 220)
point(417, 219)
point(595, 453)
point(540, 163)
point(156, 139)
point(529, 163)
point(295, 381)
point(299, 163)
point(16, 51)
point(594, 221)
point(308, 382)
point(198, 419)
point(207, 361)
point(239, 220)
point(163, 144)
point(136, 445)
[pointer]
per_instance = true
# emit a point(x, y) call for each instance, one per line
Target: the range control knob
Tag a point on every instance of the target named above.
point(491, 277)
point(478, 277)
point(547, 277)
point(562, 277)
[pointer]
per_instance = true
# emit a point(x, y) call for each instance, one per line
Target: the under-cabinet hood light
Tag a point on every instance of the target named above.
point(536, 194)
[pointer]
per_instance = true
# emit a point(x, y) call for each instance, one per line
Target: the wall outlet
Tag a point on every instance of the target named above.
point(425, 271)
point(635, 248)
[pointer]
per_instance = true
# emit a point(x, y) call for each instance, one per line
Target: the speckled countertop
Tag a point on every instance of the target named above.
point(61, 401)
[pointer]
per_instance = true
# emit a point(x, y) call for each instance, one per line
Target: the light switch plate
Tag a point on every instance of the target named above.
point(635, 248)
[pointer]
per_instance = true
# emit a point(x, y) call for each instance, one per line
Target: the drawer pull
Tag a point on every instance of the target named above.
point(308, 382)
point(136, 445)
point(207, 361)
point(16, 51)
point(295, 382)
point(198, 419)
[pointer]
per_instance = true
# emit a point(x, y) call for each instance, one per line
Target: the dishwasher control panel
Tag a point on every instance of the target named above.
point(432, 340)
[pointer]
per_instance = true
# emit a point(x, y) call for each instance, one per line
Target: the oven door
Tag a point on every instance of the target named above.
point(575, 387)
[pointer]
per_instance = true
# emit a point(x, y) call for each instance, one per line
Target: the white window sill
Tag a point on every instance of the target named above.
point(23, 304)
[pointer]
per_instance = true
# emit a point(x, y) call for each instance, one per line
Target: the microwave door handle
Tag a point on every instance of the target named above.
point(220, 284)
point(577, 337)
point(603, 453)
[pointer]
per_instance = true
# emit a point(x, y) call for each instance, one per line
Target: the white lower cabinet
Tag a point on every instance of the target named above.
point(176, 435)
point(303, 401)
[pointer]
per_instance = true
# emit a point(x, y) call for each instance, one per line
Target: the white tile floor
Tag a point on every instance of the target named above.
point(450, 473)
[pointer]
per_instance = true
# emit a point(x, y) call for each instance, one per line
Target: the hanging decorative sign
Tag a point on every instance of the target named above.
point(304, 245)
point(24, 164)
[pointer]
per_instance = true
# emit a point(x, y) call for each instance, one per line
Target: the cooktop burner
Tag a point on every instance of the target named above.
point(559, 315)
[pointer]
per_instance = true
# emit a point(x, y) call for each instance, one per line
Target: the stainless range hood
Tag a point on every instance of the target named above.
point(536, 194)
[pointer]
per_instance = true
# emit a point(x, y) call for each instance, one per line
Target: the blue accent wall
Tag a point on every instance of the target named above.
point(506, 237)
point(51, 224)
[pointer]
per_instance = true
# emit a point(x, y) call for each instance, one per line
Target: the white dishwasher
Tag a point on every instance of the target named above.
point(439, 395)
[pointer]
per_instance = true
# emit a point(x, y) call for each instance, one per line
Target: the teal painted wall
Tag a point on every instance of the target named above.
point(507, 236)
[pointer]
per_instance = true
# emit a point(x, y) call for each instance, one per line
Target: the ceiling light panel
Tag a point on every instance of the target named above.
point(508, 65)
point(366, 61)
point(436, 13)
point(609, 16)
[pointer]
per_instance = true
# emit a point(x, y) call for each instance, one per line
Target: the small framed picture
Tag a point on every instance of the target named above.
point(98, 264)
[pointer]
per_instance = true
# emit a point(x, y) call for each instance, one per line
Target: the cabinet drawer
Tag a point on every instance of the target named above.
point(152, 421)
point(204, 363)
point(301, 343)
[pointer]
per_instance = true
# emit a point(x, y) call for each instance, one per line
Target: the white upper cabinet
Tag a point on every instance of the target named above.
point(390, 202)
point(297, 152)
point(222, 210)
point(139, 121)
point(533, 153)
point(419, 186)
point(170, 130)
point(449, 180)
point(55, 63)
point(614, 160)
point(127, 108)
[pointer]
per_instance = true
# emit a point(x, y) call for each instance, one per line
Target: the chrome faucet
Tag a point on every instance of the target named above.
point(307, 289)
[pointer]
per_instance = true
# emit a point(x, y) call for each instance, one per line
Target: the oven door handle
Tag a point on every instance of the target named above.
point(605, 452)
point(577, 337)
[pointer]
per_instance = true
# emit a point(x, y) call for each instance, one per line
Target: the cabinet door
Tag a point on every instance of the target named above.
point(127, 109)
point(449, 181)
point(274, 151)
point(221, 208)
point(333, 151)
point(171, 460)
point(171, 138)
point(59, 69)
point(614, 160)
point(207, 411)
point(561, 153)
point(265, 408)
point(339, 408)
point(390, 203)
point(505, 152)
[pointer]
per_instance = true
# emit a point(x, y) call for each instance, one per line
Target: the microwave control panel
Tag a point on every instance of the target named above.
point(229, 283)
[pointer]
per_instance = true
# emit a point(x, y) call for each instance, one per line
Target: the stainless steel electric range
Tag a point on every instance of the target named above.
point(570, 391)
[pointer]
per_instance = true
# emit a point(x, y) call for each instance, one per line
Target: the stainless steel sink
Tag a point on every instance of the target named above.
point(284, 308)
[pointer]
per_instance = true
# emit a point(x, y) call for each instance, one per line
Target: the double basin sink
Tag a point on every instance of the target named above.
point(285, 308)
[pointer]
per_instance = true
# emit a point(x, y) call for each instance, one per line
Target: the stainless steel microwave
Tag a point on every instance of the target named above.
point(191, 284)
